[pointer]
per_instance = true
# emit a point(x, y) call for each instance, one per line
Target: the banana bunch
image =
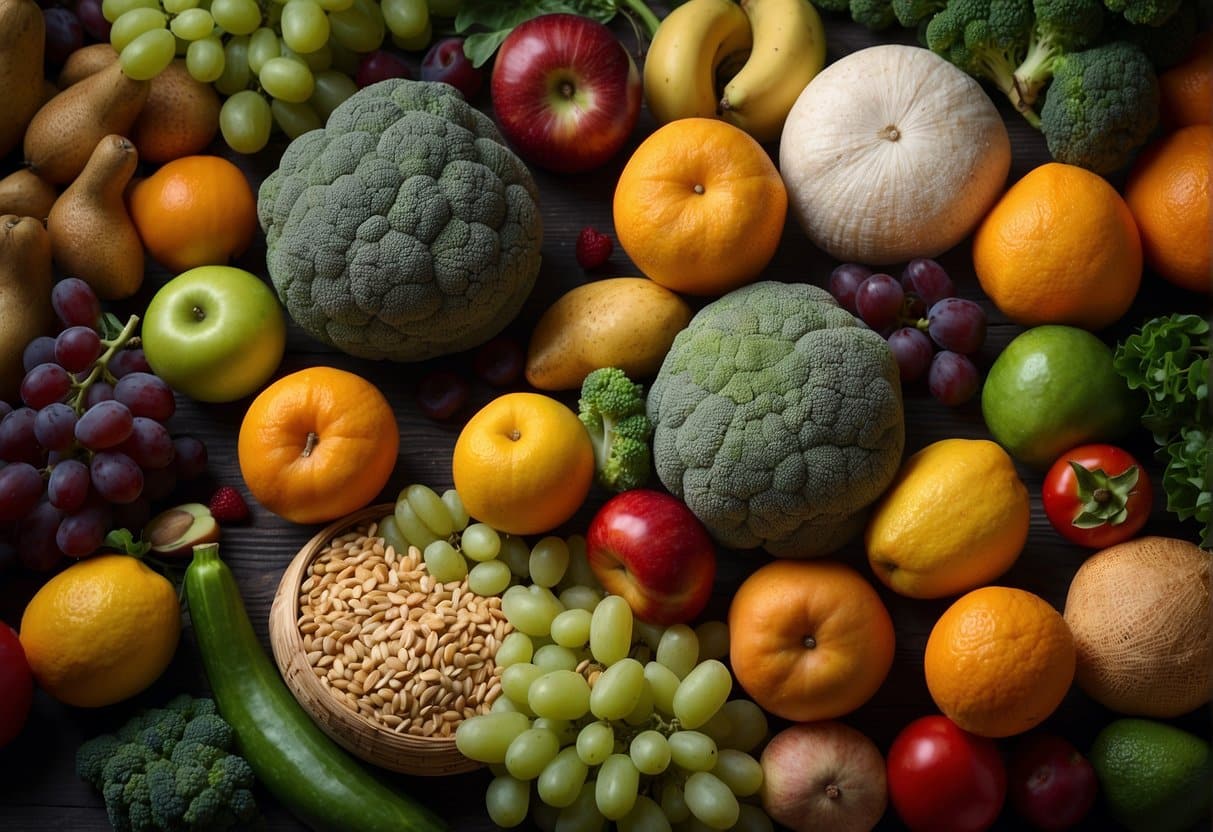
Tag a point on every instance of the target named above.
point(745, 63)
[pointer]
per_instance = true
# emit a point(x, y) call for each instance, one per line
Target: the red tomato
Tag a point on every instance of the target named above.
point(16, 685)
point(944, 779)
point(1104, 504)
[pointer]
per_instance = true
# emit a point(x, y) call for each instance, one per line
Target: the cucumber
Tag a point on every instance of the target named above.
point(305, 770)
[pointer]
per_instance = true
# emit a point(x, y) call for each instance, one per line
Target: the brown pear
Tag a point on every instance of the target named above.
point(180, 118)
point(92, 235)
point(62, 135)
point(25, 194)
point(25, 294)
point(22, 47)
point(86, 61)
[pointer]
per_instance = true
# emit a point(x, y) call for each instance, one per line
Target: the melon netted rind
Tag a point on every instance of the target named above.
point(1140, 616)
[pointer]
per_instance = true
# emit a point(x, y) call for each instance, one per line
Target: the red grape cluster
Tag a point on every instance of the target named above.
point(88, 449)
point(916, 314)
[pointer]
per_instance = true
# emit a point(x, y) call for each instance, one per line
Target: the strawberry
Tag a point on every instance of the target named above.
point(227, 506)
point(593, 248)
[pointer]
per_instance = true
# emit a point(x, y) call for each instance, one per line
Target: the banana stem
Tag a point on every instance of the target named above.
point(642, 11)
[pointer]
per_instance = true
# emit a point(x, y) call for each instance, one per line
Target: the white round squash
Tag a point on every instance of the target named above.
point(892, 153)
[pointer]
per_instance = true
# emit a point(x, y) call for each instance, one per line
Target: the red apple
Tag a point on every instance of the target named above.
point(566, 93)
point(1052, 785)
point(446, 62)
point(648, 547)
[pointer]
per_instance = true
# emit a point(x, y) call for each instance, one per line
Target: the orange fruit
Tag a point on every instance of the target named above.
point(194, 211)
point(700, 207)
point(809, 639)
point(523, 464)
point(1060, 247)
point(1186, 90)
point(101, 630)
point(317, 444)
point(999, 661)
point(1168, 193)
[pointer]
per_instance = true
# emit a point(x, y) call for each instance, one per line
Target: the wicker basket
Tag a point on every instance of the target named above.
point(358, 734)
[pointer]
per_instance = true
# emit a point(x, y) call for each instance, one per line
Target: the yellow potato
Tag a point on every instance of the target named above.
point(624, 322)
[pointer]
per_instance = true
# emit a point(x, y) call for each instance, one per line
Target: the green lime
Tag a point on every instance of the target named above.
point(1154, 777)
point(1052, 388)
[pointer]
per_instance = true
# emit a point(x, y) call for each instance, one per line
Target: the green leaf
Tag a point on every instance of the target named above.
point(123, 541)
point(111, 327)
point(1104, 499)
point(499, 17)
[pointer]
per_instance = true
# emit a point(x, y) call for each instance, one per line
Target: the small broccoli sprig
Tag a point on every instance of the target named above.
point(171, 769)
point(1144, 12)
point(1061, 26)
point(612, 409)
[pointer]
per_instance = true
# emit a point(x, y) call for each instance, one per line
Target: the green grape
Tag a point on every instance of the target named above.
point(405, 18)
point(753, 819)
point(517, 554)
point(616, 787)
point(579, 571)
point(237, 17)
point(489, 578)
point(678, 649)
point(444, 562)
point(618, 689)
point(642, 712)
point(415, 532)
point(146, 56)
point(205, 60)
point(516, 681)
point(480, 542)
point(559, 694)
point(427, 505)
point(673, 804)
point(595, 743)
point(507, 801)
point(692, 750)
point(530, 752)
point(359, 28)
point(450, 497)
point(646, 816)
point(747, 723)
point(711, 800)
point(236, 75)
point(564, 730)
point(531, 609)
point(305, 28)
point(417, 42)
point(611, 630)
point(713, 640)
point(572, 627)
point(739, 771)
point(445, 8)
point(663, 682)
point(263, 44)
point(561, 780)
point(650, 752)
point(295, 120)
point(702, 692)
point(193, 24)
point(503, 704)
point(719, 728)
point(346, 61)
point(555, 657)
point(514, 649)
point(332, 88)
point(134, 23)
point(580, 597)
point(544, 816)
point(111, 10)
point(386, 528)
point(549, 558)
point(649, 634)
point(178, 6)
point(486, 737)
point(582, 814)
point(335, 5)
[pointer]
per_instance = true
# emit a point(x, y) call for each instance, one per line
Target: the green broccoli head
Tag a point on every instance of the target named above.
point(873, 14)
point(911, 13)
point(985, 38)
point(1101, 106)
point(778, 419)
point(612, 409)
point(1061, 26)
point(1167, 44)
point(836, 6)
point(405, 229)
point(1144, 12)
point(92, 757)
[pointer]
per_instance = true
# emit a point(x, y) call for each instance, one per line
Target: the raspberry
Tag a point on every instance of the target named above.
point(593, 248)
point(227, 506)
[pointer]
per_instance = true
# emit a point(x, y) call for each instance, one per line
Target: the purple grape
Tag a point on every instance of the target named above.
point(36, 538)
point(928, 280)
point(68, 486)
point(44, 384)
point(844, 280)
point(149, 443)
point(64, 34)
point(77, 347)
point(5, 409)
point(958, 325)
point(55, 427)
point(499, 362)
point(82, 533)
point(441, 393)
point(146, 395)
point(116, 477)
point(128, 361)
point(878, 301)
point(380, 65)
point(190, 457)
point(41, 350)
point(158, 483)
point(92, 20)
point(98, 391)
point(75, 302)
point(104, 425)
point(20, 490)
point(17, 440)
point(913, 352)
point(952, 378)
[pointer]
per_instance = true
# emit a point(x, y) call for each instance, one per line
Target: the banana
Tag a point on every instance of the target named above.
point(689, 47)
point(789, 50)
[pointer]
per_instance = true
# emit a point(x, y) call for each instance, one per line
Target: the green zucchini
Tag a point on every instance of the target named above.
point(305, 770)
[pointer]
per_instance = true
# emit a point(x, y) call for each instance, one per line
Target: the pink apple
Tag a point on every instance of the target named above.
point(566, 93)
point(446, 62)
point(1052, 785)
point(648, 547)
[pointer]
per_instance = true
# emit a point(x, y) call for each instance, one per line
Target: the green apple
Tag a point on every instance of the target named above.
point(214, 333)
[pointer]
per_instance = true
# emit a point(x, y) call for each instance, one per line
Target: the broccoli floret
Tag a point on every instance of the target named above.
point(171, 769)
point(910, 13)
point(1061, 26)
point(874, 14)
point(841, 6)
point(612, 410)
point(1165, 45)
point(1101, 106)
point(1144, 12)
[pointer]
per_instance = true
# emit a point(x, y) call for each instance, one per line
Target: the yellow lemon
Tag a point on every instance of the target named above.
point(101, 630)
point(955, 518)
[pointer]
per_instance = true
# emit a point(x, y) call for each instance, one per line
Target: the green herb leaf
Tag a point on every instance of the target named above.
point(123, 541)
point(499, 17)
point(111, 327)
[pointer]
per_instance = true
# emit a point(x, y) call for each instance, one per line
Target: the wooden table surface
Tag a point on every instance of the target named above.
point(38, 786)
